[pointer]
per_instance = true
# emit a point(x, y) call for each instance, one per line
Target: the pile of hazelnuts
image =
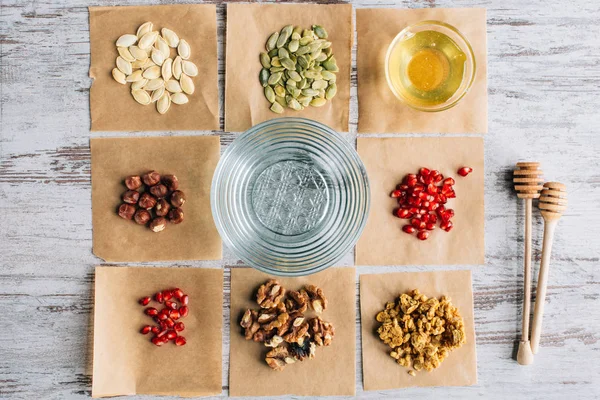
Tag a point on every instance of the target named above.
point(159, 200)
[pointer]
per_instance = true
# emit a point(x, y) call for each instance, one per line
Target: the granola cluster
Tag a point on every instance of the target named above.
point(421, 331)
point(280, 323)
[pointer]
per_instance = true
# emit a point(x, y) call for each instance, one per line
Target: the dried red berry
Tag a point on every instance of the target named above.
point(151, 311)
point(464, 171)
point(183, 311)
point(145, 300)
point(423, 235)
point(180, 341)
point(146, 329)
point(179, 326)
point(185, 299)
point(408, 229)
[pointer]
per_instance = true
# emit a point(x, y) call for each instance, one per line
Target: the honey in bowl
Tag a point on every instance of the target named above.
point(427, 67)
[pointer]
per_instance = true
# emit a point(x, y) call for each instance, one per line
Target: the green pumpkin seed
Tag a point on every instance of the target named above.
point(330, 64)
point(321, 93)
point(321, 57)
point(319, 84)
point(275, 78)
point(284, 35)
point(328, 76)
point(293, 45)
point(315, 55)
point(297, 31)
point(313, 75)
point(288, 64)
point(302, 50)
point(326, 45)
point(305, 40)
point(327, 51)
point(320, 31)
point(294, 105)
point(263, 77)
point(270, 94)
point(281, 101)
point(303, 84)
point(273, 53)
point(291, 83)
point(310, 92)
point(265, 60)
point(277, 108)
point(307, 33)
point(276, 69)
point(283, 53)
point(275, 62)
point(331, 91)
point(318, 102)
point(314, 46)
point(302, 61)
point(304, 100)
point(295, 76)
point(272, 41)
point(279, 90)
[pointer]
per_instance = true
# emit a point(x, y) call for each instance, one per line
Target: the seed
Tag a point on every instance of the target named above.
point(163, 47)
point(167, 69)
point(284, 35)
point(127, 40)
point(152, 72)
point(293, 45)
point(124, 66)
point(143, 29)
point(408, 229)
point(276, 77)
point(174, 315)
point(331, 91)
point(264, 77)
point(320, 31)
point(310, 92)
point(331, 65)
point(464, 171)
point(270, 94)
point(272, 41)
point(137, 64)
point(275, 61)
point(151, 311)
point(171, 304)
point(170, 37)
point(145, 330)
point(184, 50)
point(135, 76)
point(124, 52)
point(154, 84)
point(189, 68)
point(163, 104)
point(180, 341)
point(148, 64)
point(283, 53)
point(178, 293)
point(187, 85)
point(145, 300)
point(318, 102)
point(319, 84)
point(157, 94)
point(179, 98)
point(157, 341)
point(295, 76)
point(159, 297)
point(141, 96)
point(119, 76)
point(277, 108)
point(157, 56)
point(147, 40)
point(185, 299)
point(423, 235)
point(179, 327)
point(183, 311)
point(287, 63)
point(265, 60)
point(305, 40)
point(294, 105)
point(176, 68)
point(173, 86)
point(139, 84)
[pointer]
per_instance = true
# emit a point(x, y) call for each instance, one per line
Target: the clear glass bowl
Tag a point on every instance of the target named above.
point(290, 196)
point(470, 66)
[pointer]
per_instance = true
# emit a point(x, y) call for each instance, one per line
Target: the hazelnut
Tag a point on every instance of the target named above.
point(171, 182)
point(158, 224)
point(176, 215)
point(142, 216)
point(162, 208)
point(147, 201)
point(131, 197)
point(159, 191)
point(126, 211)
point(177, 198)
point(151, 178)
point(133, 182)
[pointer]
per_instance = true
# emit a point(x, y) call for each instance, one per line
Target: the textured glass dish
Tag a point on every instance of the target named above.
point(290, 197)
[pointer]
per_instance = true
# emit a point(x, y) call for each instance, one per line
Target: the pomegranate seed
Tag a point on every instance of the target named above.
point(413, 210)
point(422, 225)
point(430, 226)
point(171, 335)
point(424, 172)
point(408, 229)
point(403, 213)
point(162, 333)
point(180, 341)
point(423, 195)
point(185, 299)
point(415, 222)
point(411, 182)
point(464, 171)
point(151, 311)
point(432, 218)
point(167, 294)
point(410, 177)
point(403, 188)
point(146, 329)
point(155, 330)
point(446, 225)
point(177, 293)
point(145, 301)
point(396, 193)
point(174, 315)
point(183, 311)
point(434, 172)
point(180, 326)
point(423, 211)
point(418, 188)
point(433, 206)
point(157, 341)
point(449, 213)
point(159, 297)
point(431, 188)
point(425, 204)
point(438, 178)
point(423, 235)
point(162, 315)
point(449, 182)
point(451, 194)
point(170, 323)
point(163, 326)
point(171, 304)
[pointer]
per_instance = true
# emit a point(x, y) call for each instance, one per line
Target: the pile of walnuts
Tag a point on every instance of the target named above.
point(421, 331)
point(160, 198)
point(280, 323)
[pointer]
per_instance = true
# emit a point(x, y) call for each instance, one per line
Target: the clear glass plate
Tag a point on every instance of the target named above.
point(290, 196)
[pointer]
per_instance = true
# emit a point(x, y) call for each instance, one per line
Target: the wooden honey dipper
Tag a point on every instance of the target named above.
point(527, 180)
point(552, 203)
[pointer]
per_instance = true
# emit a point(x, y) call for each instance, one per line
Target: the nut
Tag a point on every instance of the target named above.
point(303, 351)
point(162, 208)
point(158, 224)
point(250, 324)
point(147, 201)
point(133, 182)
point(126, 211)
point(298, 333)
point(176, 215)
point(171, 182)
point(177, 198)
point(131, 197)
point(270, 294)
point(159, 191)
point(297, 301)
point(317, 301)
point(278, 358)
point(142, 216)
point(151, 178)
point(321, 331)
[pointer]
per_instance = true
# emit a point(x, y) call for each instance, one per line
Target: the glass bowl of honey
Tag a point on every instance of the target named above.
point(430, 66)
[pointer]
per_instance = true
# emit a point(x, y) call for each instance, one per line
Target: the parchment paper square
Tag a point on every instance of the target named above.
point(379, 110)
point(111, 105)
point(193, 160)
point(126, 362)
point(330, 373)
point(387, 161)
point(380, 371)
point(248, 28)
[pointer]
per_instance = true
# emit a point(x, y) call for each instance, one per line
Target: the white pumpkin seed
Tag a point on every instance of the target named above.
point(157, 56)
point(135, 76)
point(162, 45)
point(123, 52)
point(173, 86)
point(147, 40)
point(187, 85)
point(170, 36)
point(189, 68)
point(154, 84)
point(183, 49)
point(138, 53)
point(139, 84)
point(119, 76)
point(126, 40)
point(167, 69)
point(137, 64)
point(124, 66)
point(177, 67)
point(144, 28)
point(148, 64)
point(157, 94)
point(179, 98)
point(141, 96)
point(152, 72)
point(163, 104)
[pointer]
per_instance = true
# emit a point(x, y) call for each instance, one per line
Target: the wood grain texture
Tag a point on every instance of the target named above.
point(543, 104)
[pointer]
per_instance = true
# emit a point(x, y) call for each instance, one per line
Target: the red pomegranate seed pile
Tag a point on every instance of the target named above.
point(167, 327)
point(422, 198)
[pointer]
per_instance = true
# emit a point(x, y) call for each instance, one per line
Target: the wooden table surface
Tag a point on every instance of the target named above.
point(544, 85)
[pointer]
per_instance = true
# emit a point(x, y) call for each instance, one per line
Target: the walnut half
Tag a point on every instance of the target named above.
point(317, 299)
point(270, 294)
point(321, 331)
point(278, 358)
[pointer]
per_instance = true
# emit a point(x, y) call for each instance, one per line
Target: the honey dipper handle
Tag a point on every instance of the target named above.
point(536, 327)
point(527, 272)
